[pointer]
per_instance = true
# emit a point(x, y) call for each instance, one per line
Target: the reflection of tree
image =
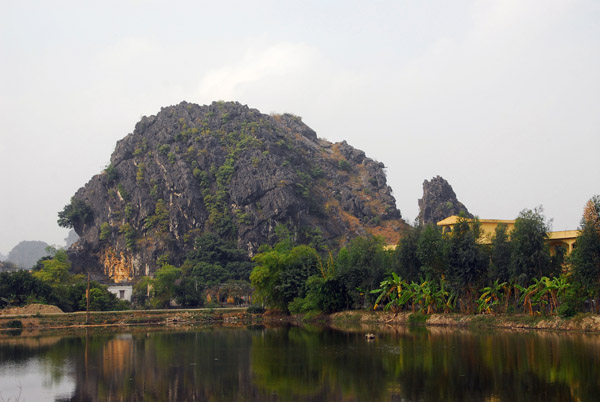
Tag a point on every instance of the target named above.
point(286, 364)
point(455, 366)
point(322, 364)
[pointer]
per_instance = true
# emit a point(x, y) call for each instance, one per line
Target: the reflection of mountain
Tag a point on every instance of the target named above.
point(293, 364)
point(187, 366)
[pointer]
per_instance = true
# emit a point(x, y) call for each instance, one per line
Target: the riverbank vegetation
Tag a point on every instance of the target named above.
point(434, 272)
point(51, 282)
point(428, 272)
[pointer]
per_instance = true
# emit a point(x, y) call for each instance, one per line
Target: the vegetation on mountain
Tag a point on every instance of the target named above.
point(227, 170)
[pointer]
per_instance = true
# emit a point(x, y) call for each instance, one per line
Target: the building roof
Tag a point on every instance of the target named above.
point(563, 234)
point(452, 220)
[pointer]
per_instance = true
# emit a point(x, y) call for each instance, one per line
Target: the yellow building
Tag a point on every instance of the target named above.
point(563, 238)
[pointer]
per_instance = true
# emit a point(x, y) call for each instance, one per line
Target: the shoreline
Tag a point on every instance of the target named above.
point(581, 323)
point(362, 319)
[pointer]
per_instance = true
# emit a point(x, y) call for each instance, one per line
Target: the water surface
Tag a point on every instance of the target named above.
point(300, 364)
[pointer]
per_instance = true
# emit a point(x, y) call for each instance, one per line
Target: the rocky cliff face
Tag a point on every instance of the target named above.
point(439, 202)
point(230, 170)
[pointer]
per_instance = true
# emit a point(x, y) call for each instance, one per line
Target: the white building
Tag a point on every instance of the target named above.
point(123, 292)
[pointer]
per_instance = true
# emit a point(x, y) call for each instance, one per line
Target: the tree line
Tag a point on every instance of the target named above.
point(428, 271)
point(51, 282)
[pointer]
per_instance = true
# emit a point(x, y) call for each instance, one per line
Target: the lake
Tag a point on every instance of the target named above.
point(300, 364)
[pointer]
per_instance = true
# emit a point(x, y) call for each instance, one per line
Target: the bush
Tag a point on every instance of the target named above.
point(255, 309)
point(14, 324)
point(571, 303)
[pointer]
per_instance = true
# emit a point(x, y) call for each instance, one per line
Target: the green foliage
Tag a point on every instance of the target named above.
point(130, 234)
point(139, 177)
point(491, 297)
point(112, 174)
point(163, 285)
point(143, 291)
point(500, 255)
point(405, 260)
point(432, 252)
point(55, 270)
point(164, 149)
point(100, 298)
point(105, 231)
point(586, 260)
point(212, 262)
point(343, 164)
point(361, 266)
point(394, 289)
point(21, 287)
point(160, 219)
point(281, 275)
point(190, 292)
point(15, 324)
point(124, 194)
point(75, 215)
point(530, 255)
point(466, 261)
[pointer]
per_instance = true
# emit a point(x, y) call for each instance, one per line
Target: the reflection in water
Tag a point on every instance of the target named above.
point(295, 364)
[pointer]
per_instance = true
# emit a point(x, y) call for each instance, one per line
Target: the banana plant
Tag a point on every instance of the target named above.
point(396, 290)
point(491, 296)
point(444, 299)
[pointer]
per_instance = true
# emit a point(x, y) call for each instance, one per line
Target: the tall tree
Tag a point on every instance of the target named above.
point(466, 261)
point(405, 260)
point(500, 252)
point(361, 267)
point(431, 251)
point(55, 270)
point(530, 256)
point(281, 275)
point(586, 255)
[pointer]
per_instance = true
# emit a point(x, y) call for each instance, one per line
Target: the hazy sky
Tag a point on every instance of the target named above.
point(501, 98)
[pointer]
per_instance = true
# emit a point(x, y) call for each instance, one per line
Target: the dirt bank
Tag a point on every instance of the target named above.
point(32, 318)
point(579, 323)
point(31, 309)
point(36, 316)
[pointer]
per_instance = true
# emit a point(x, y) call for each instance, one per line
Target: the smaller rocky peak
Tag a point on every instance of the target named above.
point(296, 125)
point(439, 202)
point(350, 153)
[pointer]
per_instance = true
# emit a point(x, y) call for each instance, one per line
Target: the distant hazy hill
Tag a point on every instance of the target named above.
point(71, 238)
point(27, 253)
point(2, 257)
point(229, 170)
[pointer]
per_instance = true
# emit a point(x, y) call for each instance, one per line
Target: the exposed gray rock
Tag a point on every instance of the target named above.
point(230, 170)
point(439, 202)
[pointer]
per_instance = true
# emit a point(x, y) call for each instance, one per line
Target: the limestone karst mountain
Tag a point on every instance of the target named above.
point(439, 202)
point(227, 169)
